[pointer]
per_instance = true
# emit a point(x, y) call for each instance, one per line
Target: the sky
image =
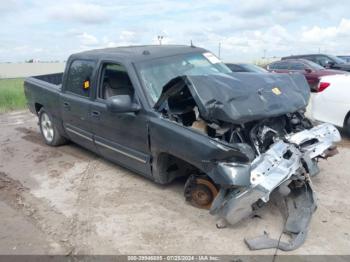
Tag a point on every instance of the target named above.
point(247, 30)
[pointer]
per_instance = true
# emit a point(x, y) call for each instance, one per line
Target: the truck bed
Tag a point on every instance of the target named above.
point(43, 90)
point(55, 79)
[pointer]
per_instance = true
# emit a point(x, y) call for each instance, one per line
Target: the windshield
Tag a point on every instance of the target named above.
point(336, 59)
point(253, 68)
point(156, 73)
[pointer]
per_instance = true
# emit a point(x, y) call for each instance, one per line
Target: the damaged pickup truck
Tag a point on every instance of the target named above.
point(171, 111)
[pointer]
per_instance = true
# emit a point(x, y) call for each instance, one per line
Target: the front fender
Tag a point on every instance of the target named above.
point(195, 148)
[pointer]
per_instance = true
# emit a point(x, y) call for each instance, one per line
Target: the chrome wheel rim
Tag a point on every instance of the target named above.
point(46, 127)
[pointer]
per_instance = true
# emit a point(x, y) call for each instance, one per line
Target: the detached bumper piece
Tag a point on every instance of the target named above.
point(299, 206)
point(285, 169)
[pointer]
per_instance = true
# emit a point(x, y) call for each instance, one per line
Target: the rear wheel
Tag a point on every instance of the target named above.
point(200, 191)
point(48, 129)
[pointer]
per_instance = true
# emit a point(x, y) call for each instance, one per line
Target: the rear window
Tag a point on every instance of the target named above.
point(79, 77)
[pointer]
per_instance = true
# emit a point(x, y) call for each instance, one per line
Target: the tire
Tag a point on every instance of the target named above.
point(49, 131)
point(347, 126)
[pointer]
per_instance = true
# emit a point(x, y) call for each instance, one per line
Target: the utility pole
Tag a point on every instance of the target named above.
point(264, 57)
point(160, 38)
point(219, 53)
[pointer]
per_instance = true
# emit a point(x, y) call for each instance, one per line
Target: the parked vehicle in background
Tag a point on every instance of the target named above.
point(310, 70)
point(345, 58)
point(327, 61)
point(249, 68)
point(331, 104)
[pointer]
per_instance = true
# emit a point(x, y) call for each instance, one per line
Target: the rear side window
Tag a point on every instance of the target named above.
point(79, 77)
point(297, 66)
point(311, 58)
point(279, 66)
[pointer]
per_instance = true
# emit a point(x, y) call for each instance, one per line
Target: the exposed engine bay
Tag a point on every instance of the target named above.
point(270, 119)
point(179, 105)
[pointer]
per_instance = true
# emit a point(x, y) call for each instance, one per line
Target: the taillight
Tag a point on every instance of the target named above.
point(322, 86)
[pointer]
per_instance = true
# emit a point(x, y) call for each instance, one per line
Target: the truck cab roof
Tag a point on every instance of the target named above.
point(137, 53)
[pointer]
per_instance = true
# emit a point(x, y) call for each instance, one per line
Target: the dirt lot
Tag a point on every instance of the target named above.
point(67, 200)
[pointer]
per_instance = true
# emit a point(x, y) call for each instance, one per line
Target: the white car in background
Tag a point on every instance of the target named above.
point(331, 102)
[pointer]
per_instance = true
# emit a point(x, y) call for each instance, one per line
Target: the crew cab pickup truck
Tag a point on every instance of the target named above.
point(171, 111)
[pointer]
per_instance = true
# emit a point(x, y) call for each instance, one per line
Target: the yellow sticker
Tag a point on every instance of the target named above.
point(86, 84)
point(276, 91)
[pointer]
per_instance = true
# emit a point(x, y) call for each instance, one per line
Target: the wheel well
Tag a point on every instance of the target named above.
point(346, 125)
point(37, 107)
point(347, 117)
point(169, 167)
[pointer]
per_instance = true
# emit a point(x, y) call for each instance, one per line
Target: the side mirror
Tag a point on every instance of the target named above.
point(330, 63)
point(122, 104)
point(308, 70)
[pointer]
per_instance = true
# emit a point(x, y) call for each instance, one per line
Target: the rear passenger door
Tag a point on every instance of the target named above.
point(75, 102)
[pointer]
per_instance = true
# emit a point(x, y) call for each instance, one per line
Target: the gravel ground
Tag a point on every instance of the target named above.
point(67, 200)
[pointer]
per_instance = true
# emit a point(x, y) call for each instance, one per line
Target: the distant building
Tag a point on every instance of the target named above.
point(33, 60)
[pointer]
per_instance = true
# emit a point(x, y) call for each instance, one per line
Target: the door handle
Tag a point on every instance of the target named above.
point(95, 114)
point(66, 105)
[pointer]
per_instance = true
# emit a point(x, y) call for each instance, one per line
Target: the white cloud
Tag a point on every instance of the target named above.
point(330, 33)
point(245, 29)
point(79, 12)
point(333, 39)
point(127, 36)
point(87, 39)
point(9, 6)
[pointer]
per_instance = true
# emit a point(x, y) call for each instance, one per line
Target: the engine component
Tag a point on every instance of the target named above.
point(200, 125)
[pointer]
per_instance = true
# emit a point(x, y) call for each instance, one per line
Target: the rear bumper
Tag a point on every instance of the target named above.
point(284, 162)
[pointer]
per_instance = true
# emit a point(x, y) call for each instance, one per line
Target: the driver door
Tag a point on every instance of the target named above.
point(119, 137)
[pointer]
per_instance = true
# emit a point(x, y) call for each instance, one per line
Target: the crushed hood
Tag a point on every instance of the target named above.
point(239, 97)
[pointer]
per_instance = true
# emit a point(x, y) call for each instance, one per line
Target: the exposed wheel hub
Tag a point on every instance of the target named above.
point(200, 191)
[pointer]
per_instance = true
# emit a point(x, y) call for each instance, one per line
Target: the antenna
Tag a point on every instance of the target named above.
point(160, 38)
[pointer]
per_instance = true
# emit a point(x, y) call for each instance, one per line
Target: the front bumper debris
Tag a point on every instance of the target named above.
point(286, 161)
point(299, 207)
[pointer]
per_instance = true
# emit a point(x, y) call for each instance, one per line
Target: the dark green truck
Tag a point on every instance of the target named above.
point(170, 111)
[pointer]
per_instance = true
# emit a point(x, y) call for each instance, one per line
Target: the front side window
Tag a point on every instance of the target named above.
point(158, 72)
point(79, 77)
point(313, 65)
point(322, 60)
point(115, 81)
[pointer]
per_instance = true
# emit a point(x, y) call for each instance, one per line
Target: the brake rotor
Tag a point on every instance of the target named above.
point(201, 192)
